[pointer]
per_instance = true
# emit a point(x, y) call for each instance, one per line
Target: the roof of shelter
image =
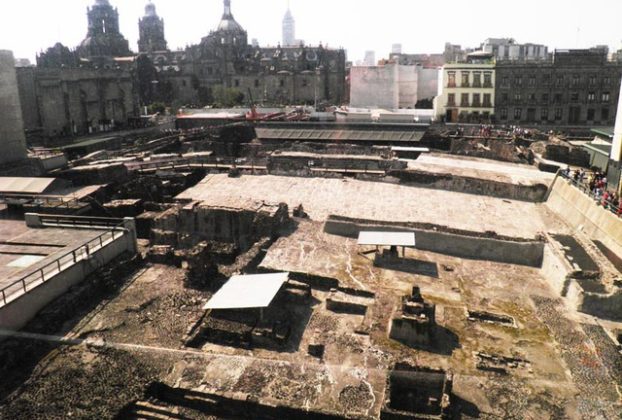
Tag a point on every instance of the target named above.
point(245, 292)
point(387, 238)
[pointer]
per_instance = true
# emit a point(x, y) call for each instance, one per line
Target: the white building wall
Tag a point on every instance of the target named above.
point(374, 87)
point(407, 86)
point(427, 82)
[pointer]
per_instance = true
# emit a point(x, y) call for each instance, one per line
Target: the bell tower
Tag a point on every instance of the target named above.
point(151, 30)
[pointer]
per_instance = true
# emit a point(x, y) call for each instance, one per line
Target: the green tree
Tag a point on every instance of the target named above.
point(226, 97)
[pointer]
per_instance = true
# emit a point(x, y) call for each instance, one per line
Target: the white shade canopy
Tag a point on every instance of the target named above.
point(387, 238)
point(245, 292)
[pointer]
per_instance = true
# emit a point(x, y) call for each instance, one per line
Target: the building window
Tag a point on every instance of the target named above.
point(544, 114)
point(210, 71)
point(532, 81)
point(236, 82)
point(281, 82)
point(451, 79)
point(518, 81)
point(505, 81)
point(558, 98)
point(476, 101)
point(487, 103)
point(532, 97)
point(518, 112)
point(591, 113)
point(574, 96)
point(606, 81)
point(256, 83)
point(465, 79)
point(559, 113)
point(464, 99)
point(487, 79)
point(451, 99)
point(184, 83)
point(559, 81)
point(505, 97)
point(503, 113)
point(517, 97)
point(575, 80)
point(545, 98)
point(604, 114)
point(605, 97)
point(591, 97)
point(477, 79)
point(546, 79)
point(592, 80)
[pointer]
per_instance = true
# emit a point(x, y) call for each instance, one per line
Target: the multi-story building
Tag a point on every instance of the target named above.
point(287, 74)
point(289, 29)
point(576, 87)
point(100, 84)
point(89, 89)
point(508, 49)
point(467, 90)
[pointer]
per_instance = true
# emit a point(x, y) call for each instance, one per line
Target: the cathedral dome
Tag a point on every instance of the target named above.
point(150, 9)
point(228, 23)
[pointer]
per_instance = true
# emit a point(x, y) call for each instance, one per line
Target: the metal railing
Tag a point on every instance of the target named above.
point(58, 265)
point(615, 209)
point(80, 221)
point(47, 200)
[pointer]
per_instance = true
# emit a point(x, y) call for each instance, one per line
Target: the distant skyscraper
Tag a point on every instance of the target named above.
point(370, 58)
point(289, 29)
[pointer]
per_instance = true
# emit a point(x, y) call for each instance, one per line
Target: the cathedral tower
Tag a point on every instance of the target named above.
point(151, 30)
point(103, 38)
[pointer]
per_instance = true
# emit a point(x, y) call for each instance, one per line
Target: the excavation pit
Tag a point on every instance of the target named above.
point(490, 318)
point(413, 392)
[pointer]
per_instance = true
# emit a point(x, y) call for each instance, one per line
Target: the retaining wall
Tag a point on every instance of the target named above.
point(582, 213)
point(531, 192)
point(520, 252)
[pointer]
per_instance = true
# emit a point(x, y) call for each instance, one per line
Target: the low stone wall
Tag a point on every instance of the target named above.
point(532, 193)
point(459, 244)
point(196, 222)
point(581, 212)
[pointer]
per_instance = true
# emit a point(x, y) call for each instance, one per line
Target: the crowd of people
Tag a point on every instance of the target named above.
point(595, 184)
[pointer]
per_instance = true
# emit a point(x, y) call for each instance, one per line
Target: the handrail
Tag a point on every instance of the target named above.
point(81, 252)
point(60, 219)
point(606, 204)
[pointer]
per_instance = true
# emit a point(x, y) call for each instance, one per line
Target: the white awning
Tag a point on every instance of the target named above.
point(25, 185)
point(244, 292)
point(387, 238)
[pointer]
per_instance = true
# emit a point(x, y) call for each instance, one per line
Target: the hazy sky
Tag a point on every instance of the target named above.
point(28, 26)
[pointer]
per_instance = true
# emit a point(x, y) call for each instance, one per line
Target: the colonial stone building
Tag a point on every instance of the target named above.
point(576, 87)
point(87, 90)
point(467, 90)
point(101, 84)
point(225, 60)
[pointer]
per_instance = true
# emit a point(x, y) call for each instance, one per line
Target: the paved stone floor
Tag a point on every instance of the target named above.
point(379, 201)
point(481, 168)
